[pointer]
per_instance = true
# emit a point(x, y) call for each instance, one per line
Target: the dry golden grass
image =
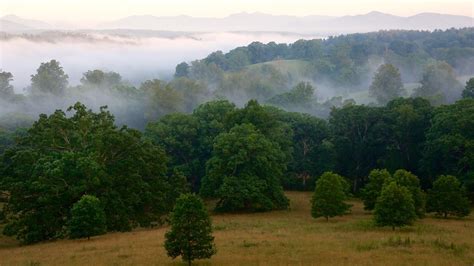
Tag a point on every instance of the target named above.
point(276, 238)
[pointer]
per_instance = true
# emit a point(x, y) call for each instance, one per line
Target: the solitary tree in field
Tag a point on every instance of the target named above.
point(447, 197)
point(394, 206)
point(387, 84)
point(411, 181)
point(190, 235)
point(329, 196)
point(372, 190)
point(87, 218)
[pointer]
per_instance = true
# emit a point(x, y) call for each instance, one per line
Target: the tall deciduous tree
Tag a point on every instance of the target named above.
point(329, 196)
point(87, 218)
point(191, 230)
point(394, 206)
point(49, 79)
point(244, 172)
point(448, 197)
point(386, 84)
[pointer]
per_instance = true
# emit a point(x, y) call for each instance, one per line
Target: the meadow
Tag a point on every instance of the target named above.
point(288, 237)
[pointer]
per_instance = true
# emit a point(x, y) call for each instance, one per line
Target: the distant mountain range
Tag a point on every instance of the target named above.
point(372, 21)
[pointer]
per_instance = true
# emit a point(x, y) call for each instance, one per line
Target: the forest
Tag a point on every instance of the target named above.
point(237, 130)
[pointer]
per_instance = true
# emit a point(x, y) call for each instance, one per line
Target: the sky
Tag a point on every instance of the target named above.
point(94, 11)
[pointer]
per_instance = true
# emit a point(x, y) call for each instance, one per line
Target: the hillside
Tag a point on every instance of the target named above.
point(274, 238)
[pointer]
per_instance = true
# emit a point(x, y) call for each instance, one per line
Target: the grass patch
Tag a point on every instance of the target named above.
point(457, 249)
point(272, 238)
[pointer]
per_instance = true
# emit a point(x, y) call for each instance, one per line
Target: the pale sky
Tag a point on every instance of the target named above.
point(91, 11)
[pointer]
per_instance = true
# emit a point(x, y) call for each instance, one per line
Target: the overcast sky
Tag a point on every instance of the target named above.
point(92, 11)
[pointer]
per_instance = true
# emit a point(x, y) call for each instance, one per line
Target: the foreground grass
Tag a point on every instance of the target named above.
point(277, 238)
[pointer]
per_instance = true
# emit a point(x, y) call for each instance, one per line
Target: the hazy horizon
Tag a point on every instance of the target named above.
point(88, 13)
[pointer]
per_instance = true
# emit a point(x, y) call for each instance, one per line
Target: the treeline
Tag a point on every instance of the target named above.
point(348, 60)
point(244, 157)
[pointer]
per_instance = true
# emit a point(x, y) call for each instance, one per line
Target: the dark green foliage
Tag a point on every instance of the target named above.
point(244, 172)
point(178, 135)
point(49, 79)
point(449, 148)
point(386, 84)
point(313, 153)
point(87, 218)
point(329, 196)
point(412, 183)
point(394, 207)
point(373, 188)
point(448, 197)
point(63, 157)
point(468, 91)
point(408, 120)
point(359, 135)
point(191, 230)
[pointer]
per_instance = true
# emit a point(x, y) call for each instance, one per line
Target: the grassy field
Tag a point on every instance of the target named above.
point(277, 238)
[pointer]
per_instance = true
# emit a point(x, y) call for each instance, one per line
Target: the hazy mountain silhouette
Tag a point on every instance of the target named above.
point(372, 21)
point(264, 22)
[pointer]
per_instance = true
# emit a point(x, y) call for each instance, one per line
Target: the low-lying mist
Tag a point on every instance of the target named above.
point(137, 57)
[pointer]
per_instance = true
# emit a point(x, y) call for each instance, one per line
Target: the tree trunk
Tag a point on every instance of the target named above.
point(445, 215)
point(189, 262)
point(393, 228)
point(88, 238)
point(327, 219)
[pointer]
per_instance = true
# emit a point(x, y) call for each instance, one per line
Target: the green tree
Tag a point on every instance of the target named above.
point(49, 79)
point(191, 230)
point(449, 148)
point(448, 197)
point(244, 172)
point(373, 188)
point(439, 84)
point(329, 196)
point(412, 183)
point(408, 119)
point(394, 206)
point(386, 84)
point(87, 218)
point(161, 99)
point(468, 91)
point(182, 70)
point(359, 134)
point(313, 153)
point(63, 157)
point(178, 135)
point(6, 89)
point(101, 79)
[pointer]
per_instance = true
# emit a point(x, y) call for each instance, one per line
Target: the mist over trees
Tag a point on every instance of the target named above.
point(241, 134)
